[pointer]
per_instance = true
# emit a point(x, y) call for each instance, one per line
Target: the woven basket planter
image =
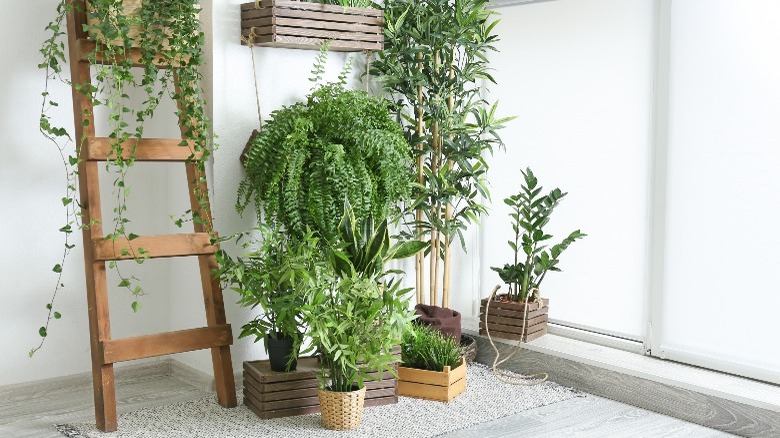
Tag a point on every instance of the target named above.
point(508, 319)
point(432, 385)
point(304, 25)
point(342, 410)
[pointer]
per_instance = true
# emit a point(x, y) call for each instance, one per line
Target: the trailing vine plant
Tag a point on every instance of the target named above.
point(167, 38)
point(434, 60)
point(339, 145)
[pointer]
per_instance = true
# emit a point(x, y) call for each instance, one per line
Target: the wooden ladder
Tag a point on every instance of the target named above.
point(98, 250)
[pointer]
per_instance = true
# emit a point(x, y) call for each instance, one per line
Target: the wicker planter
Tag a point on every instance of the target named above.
point(304, 25)
point(342, 410)
point(432, 385)
point(508, 319)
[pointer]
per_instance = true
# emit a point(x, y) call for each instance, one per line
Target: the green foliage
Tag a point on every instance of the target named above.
point(170, 37)
point(531, 211)
point(433, 64)
point(267, 279)
point(354, 322)
point(428, 349)
point(311, 156)
point(364, 248)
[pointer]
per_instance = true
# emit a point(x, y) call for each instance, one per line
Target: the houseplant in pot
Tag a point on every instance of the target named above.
point(266, 279)
point(356, 313)
point(432, 365)
point(310, 156)
point(521, 313)
point(434, 60)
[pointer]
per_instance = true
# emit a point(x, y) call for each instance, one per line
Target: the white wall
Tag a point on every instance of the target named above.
point(32, 181)
point(578, 75)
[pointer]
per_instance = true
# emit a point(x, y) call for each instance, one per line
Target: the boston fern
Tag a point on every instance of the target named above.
point(531, 211)
point(311, 156)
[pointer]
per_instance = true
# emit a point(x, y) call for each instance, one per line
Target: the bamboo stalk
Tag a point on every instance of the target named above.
point(419, 258)
point(445, 293)
point(435, 233)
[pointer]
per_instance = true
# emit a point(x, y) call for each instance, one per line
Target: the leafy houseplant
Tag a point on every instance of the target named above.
point(433, 366)
point(339, 144)
point(434, 58)
point(356, 314)
point(267, 279)
point(530, 213)
point(164, 34)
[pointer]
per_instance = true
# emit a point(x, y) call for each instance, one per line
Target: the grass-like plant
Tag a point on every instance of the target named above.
point(531, 211)
point(428, 349)
point(339, 144)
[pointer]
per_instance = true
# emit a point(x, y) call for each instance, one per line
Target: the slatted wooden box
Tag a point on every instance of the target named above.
point(432, 385)
point(271, 394)
point(304, 25)
point(506, 319)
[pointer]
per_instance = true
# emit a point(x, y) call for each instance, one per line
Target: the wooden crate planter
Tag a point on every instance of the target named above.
point(303, 25)
point(432, 385)
point(506, 320)
point(271, 394)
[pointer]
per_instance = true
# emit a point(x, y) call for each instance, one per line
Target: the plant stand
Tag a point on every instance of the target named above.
point(432, 385)
point(507, 319)
point(98, 250)
point(271, 394)
point(303, 25)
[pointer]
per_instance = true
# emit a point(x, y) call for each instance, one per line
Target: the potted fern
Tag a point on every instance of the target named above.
point(310, 156)
point(432, 367)
point(266, 279)
point(521, 313)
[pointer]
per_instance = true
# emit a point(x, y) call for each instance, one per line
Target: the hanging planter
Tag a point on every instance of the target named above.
point(303, 25)
point(508, 319)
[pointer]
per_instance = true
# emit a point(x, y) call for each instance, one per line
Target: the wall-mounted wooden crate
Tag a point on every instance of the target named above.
point(506, 319)
point(304, 25)
point(432, 385)
point(271, 394)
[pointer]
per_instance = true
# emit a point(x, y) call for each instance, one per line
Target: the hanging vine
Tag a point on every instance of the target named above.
point(167, 38)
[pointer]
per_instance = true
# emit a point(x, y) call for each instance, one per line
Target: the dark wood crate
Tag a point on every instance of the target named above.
point(271, 394)
point(304, 25)
point(507, 320)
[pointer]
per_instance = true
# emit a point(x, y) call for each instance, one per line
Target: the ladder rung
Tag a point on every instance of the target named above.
point(162, 245)
point(86, 47)
point(140, 347)
point(147, 149)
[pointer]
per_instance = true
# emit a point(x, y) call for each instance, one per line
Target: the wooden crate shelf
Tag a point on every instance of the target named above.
point(507, 320)
point(304, 25)
point(270, 394)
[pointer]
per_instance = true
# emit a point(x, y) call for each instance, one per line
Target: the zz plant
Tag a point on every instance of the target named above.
point(169, 37)
point(339, 144)
point(434, 60)
point(530, 212)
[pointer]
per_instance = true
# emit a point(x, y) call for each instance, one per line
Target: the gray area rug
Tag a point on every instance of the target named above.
point(485, 399)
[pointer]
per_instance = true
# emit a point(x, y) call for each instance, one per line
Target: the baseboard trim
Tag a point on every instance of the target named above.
point(596, 375)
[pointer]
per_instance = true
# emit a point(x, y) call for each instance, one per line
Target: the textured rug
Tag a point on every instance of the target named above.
point(485, 399)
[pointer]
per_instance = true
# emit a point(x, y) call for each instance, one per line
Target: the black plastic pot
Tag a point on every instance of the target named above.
point(280, 348)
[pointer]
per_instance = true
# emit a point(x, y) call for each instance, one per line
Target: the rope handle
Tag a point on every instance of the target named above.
point(502, 375)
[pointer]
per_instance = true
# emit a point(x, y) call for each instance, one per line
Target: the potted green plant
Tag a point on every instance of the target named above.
point(266, 279)
point(432, 366)
point(434, 60)
point(310, 156)
point(356, 314)
point(521, 313)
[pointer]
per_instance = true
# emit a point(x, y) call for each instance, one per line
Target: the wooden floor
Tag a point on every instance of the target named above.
point(31, 412)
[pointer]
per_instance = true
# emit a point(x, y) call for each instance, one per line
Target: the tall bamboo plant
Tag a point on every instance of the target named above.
point(434, 62)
